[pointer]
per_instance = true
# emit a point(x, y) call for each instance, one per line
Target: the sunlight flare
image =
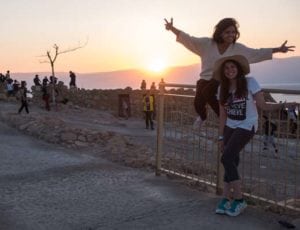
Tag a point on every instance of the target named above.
point(157, 65)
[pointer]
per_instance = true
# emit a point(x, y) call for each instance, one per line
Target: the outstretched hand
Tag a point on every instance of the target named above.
point(284, 48)
point(169, 24)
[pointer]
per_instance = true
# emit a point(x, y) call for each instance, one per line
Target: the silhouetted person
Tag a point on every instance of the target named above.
point(46, 97)
point(16, 86)
point(153, 87)
point(7, 75)
point(53, 80)
point(148, 102)
point(9, 87)
point(23, 97)
point(36, 80)
point(143, 85)
point(72, 79)
point(45, 81)
point(2, 77)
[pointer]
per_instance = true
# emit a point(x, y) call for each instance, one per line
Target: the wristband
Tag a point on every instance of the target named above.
point(220, 138)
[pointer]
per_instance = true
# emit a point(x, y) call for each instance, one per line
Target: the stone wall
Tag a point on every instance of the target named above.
point(104, 99)
point(101, 99)
point(59, 129)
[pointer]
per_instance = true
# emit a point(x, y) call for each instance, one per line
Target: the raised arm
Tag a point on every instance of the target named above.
point(169, 26)
point(283, 48)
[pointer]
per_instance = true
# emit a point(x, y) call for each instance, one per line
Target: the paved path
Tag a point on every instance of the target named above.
point(44, 186)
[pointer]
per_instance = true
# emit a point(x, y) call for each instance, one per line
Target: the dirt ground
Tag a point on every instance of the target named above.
point(48, 186)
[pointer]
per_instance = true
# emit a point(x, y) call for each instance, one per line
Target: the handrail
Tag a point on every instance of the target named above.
point(183, 152)
point(268, 90)
point(283, 91)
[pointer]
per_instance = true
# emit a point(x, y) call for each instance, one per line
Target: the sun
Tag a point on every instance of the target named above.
point(157, 65)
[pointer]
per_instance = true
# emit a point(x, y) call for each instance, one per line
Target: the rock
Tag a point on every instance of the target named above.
point(81, 144)
point(2, 96)
point(74, 127)
point(68, 137)
point(82, 138)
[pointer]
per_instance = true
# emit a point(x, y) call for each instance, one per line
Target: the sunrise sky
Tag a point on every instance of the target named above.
point(126, 34)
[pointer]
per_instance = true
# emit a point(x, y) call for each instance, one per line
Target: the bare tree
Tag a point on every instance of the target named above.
point(52, 58)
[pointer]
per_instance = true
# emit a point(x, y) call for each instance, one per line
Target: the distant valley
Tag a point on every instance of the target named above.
point(276, 71)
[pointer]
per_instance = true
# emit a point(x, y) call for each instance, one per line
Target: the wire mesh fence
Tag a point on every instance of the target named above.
point(270, 171)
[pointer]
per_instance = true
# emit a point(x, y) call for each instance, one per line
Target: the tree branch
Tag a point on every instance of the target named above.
point(52, 59)
point(75, 48)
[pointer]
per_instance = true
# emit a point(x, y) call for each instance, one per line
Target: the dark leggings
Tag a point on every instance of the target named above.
point(234, 141)
point(24, 105)
point(46, 99)
point(206, 94)
point(148, 119)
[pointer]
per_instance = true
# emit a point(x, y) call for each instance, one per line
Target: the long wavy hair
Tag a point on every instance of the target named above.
point(223, 25)
point(241, 84)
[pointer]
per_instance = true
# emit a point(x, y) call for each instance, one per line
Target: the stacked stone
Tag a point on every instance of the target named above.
point(52, 129)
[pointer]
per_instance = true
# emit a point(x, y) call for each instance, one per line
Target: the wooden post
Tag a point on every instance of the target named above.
point(160, 127)
point(220, 173)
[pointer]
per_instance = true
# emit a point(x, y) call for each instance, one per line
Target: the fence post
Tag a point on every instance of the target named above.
point(160, 127)
point(220, 173)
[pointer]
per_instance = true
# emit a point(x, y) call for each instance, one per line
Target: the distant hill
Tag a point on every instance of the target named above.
point(283, 70)
point(276, 71)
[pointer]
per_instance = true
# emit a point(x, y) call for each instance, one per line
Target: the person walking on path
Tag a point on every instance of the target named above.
point(269, 132)
point(23, 97)
point(223, 43)
point(238, 97)
point(148, 102)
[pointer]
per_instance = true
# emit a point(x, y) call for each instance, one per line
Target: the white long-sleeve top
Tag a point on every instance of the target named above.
point(208, 51)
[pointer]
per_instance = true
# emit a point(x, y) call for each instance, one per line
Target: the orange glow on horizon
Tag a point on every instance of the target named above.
point(157, 65)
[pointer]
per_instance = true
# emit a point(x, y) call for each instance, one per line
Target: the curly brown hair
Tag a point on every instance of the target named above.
point(223, 25)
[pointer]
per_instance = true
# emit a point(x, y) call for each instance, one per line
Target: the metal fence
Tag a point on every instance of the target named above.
point(269, 177)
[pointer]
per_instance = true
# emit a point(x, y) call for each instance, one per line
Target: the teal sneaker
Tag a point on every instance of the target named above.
point(223, 205)
point(236, 208)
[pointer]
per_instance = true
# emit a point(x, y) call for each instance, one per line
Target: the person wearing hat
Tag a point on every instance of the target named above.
point(238, 97)
point(223, 43)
